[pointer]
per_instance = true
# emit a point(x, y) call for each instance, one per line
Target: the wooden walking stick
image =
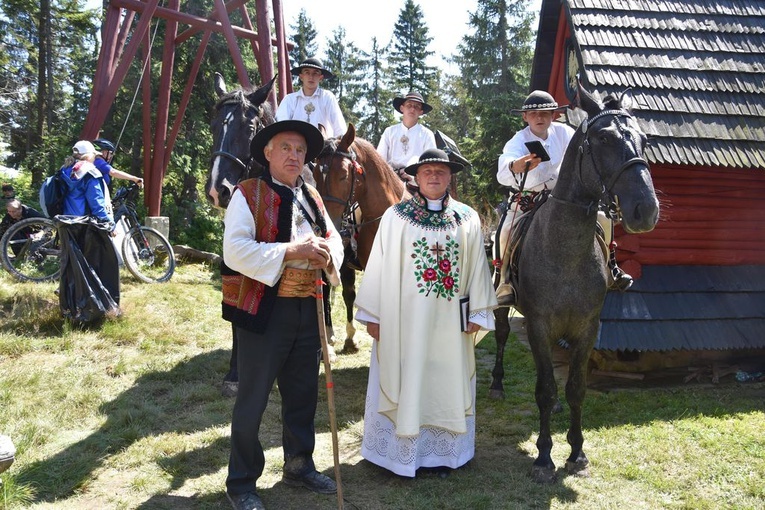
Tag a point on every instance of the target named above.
point(330, 384)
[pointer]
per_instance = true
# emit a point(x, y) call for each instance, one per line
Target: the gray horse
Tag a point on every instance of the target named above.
point(562, 274)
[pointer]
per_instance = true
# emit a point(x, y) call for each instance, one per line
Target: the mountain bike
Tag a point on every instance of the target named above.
point(30, 249)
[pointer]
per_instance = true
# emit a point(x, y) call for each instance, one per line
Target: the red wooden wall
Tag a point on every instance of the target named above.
point(708, 217)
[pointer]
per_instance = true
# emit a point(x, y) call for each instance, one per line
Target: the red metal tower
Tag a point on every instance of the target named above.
point(117, 54)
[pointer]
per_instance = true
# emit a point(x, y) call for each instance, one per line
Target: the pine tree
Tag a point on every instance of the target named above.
point(49, 49)
point(495, 67)
point(304, 38)
point(343, 61)
point(409, 53)
point(377, 113)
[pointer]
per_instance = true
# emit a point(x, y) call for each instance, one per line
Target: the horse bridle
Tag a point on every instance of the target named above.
point(350, 204)
point(223, 152)
point(586, 149)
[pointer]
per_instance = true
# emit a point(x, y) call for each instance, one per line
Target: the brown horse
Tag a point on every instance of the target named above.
point(350, 175)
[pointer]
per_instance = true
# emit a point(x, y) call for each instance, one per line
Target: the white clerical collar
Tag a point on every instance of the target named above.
point(436, 205)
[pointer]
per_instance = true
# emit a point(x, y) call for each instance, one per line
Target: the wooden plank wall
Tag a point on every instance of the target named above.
point(708, 217)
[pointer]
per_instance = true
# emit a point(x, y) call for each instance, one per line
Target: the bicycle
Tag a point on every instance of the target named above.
point(30, 249)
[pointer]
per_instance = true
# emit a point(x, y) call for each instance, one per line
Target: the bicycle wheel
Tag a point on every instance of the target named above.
point(31, 250)
point(148, 255)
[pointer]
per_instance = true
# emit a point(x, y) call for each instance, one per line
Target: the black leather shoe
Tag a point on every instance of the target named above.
point(313, 481)
point(246, 501)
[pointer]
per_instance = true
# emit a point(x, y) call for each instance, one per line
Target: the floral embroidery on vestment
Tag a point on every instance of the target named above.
point(437, 264)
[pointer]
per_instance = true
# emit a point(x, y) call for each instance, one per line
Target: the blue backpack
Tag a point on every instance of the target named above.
point(52, 194)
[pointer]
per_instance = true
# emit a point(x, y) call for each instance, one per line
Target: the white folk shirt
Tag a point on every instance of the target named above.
point(263, 261)
point(401, 146)
point(320, 108)
point(545, 175)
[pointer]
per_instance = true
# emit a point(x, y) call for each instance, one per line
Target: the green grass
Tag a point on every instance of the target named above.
point(130, 416)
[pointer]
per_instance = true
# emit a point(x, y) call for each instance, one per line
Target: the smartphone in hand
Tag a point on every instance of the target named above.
point(537, 148)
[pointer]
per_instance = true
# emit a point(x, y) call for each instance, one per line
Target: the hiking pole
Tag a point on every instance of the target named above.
point(330, 384)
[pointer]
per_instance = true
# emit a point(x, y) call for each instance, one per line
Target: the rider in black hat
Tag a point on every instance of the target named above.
point(401, 143)
point(312, 103)
point(527, 174)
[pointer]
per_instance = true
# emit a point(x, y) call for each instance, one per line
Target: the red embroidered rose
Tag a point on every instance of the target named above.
point(429, 274)
point(445, 265)
point(448, 282)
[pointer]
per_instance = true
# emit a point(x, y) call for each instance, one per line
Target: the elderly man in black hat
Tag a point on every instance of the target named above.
point(528, 174)
point(277, 234)
point(312, 103)
point(426, 292)
point(402, 143)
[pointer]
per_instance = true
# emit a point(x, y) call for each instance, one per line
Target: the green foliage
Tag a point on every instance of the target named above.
point(346, 65)
point(495, 64)
point(47, 71)
point(377, 109)
point(410, 51)
point(304, 38)
point(473, 107)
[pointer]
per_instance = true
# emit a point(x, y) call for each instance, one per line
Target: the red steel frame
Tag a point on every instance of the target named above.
point(117, 55)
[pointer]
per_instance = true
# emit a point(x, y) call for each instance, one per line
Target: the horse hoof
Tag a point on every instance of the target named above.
point(229, 388)
point(497, 394)
point(543, 474)
point(579, 468)
point(350, 347)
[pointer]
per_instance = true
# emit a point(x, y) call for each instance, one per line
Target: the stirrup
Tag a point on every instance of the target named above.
point(621, 282)
point(506, 300)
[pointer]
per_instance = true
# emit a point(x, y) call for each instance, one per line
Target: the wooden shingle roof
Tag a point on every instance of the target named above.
point(696, 69)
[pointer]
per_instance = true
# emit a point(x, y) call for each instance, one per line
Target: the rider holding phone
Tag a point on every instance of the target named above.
point(529, 164)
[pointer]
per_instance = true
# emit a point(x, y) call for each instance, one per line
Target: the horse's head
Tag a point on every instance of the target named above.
point(238, 116)
point(338, 176)
point(610, 162)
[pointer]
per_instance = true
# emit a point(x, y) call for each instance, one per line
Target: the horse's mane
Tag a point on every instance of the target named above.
point(241, 97)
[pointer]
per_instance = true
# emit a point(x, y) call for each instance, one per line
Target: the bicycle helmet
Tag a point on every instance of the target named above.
point(104, 144)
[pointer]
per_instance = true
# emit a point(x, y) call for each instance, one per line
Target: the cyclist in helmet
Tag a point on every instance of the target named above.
point(103, 163)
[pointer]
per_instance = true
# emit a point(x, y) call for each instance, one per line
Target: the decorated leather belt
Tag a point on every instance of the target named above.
point(297, 283)
point(524, 199)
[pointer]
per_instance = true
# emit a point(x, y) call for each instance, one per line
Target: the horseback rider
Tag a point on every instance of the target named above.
point(402, 143)
point(312, 103)
point(527, 175)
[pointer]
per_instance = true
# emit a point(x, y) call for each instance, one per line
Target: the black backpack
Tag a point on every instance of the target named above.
point(52, 193)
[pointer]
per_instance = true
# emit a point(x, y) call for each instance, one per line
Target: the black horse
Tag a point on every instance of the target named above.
point(238, 116)
point(562, 274)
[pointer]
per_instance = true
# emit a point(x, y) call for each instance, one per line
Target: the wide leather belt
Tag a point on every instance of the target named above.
point(297, 283)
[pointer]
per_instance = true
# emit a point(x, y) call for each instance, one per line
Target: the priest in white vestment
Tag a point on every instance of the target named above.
point(425, 294)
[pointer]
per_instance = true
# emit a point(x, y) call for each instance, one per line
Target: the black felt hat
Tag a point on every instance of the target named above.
point(313, 139)
point(412, 96)
point(540, 100)
point(312, 63)
point(434, 156)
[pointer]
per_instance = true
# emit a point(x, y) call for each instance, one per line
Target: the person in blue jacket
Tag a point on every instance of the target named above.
point(86, 193)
